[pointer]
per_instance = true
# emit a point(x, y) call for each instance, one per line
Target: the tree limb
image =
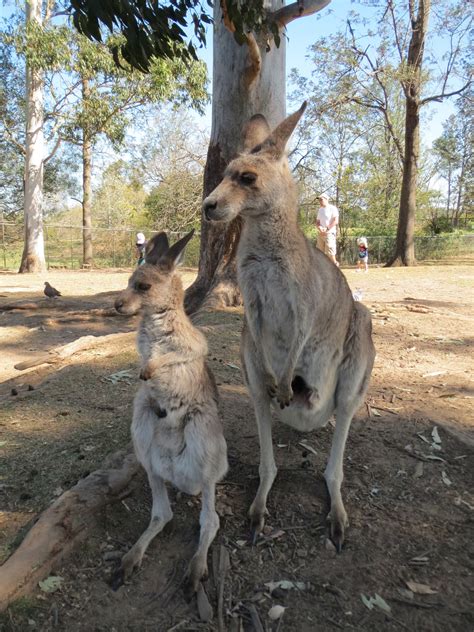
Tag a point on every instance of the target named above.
point(445, 95)
point(296, 10)
point(54, 150)
point(225, 17)
point(12, 140)
point(253, 69)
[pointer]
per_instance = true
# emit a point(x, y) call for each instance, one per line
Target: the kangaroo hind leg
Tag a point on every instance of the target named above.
point(351, 389)
point(161, 514)
point(267, 469)
point(209, 523)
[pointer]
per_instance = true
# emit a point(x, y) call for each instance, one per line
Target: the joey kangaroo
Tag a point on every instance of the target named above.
point(176, 431)
point(306, 345)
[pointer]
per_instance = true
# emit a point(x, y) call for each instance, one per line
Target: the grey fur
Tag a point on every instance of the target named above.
point(176, 430)
point(306, 345)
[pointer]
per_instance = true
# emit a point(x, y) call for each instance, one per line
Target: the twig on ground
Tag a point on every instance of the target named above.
point(177, 626)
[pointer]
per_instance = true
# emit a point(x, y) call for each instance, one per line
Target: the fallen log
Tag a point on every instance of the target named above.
point(65, 351)
point(8, 307)
point(63, 526)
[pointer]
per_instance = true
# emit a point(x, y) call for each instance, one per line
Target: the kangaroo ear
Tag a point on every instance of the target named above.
point(174, 255)
point(275, 143)
point(255, 131)
point(156, 248)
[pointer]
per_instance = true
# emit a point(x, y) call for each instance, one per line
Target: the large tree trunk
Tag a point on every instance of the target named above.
point(33, 259)
point(405, 246)
point(87, 259)
point(246, 80)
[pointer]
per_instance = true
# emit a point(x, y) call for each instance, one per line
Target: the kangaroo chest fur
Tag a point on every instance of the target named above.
point(291, 309)
point(174, 413)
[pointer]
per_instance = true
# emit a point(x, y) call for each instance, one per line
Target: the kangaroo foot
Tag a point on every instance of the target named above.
point(196, 573)
point(338, 522)
point(257, 522)
point(129, 563)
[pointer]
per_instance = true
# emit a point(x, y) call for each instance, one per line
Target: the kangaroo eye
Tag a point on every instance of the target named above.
point(248, 177)
point(142, 287)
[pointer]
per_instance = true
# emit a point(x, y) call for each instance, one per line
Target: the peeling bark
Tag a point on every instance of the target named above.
point(247, 80)
point(33, 259)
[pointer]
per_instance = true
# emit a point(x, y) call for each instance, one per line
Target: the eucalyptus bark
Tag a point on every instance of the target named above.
point(405, 245)
point(33, 259)
point(87, 258)
point(243, 85)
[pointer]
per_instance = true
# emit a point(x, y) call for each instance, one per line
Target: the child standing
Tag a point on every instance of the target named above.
point(363, 262)
point(140, 245)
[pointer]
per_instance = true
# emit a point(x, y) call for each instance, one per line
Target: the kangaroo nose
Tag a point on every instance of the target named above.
point(118, 304)
point(208, 207)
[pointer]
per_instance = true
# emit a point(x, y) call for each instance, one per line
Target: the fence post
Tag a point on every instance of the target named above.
point(113, 247)
point(71, 248)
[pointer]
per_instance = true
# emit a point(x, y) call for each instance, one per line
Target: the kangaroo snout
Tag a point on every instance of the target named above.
point(209, 207)
point(125, 305)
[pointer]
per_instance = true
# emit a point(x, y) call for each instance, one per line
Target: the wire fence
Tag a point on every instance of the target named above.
point(115, 247)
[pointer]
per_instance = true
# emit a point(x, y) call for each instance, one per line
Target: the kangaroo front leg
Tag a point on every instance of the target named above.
point(334, 475)
point(161, 514)
point(209, 522)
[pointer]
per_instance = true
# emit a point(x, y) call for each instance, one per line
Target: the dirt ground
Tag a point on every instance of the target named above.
point(409, 472)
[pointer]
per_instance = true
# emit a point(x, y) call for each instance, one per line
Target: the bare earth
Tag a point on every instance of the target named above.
point(409, 475)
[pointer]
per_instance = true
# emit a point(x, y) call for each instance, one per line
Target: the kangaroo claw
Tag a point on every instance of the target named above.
point(117, 579)
point(338, 524)
point(284, 395)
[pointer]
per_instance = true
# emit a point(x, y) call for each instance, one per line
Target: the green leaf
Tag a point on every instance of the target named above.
point(51, 584)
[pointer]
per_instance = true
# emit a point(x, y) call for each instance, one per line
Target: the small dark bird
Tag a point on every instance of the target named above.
point(50, 291)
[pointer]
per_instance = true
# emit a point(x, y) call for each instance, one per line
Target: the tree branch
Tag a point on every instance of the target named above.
point(298, 9)
point(445, 95)
point(253, 69)
point(54, 150)
point(12, 140)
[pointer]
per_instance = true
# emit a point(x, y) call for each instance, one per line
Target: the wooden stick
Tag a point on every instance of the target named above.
point(80, 344)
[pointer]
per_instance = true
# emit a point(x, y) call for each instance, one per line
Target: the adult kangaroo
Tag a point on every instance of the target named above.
point(306, 346)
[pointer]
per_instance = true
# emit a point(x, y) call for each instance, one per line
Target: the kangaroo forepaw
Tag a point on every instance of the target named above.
point(338, 522)
point(284, 395)
point(146, 373)
point(271, 386)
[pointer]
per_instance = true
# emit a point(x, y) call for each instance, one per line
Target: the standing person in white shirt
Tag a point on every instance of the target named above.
point(326, 222)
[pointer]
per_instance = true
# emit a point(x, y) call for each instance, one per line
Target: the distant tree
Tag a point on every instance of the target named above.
point(368, 60)
point(110, 95)
point(119, 201)
point(453, 152)
point(62, 69)
point(171, 160)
